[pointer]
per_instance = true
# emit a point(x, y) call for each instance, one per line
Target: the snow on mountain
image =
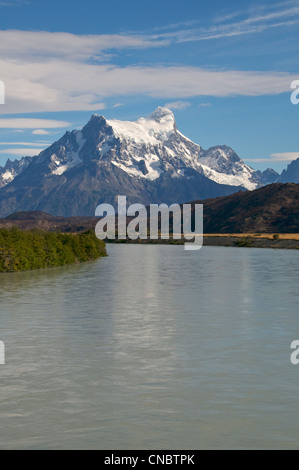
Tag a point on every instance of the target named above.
point(223, 165)
point(150, 146)
point(13, 169)
point(71, 158)
point(154, 142)
point(143, 149)
point(157, 128)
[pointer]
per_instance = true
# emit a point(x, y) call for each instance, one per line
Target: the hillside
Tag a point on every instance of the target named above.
point(271, 209)
point(49, 223)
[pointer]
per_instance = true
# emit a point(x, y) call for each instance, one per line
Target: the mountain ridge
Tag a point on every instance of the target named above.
point(149, 160)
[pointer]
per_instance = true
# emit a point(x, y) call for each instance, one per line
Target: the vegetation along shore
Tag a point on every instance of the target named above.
point(34, 249)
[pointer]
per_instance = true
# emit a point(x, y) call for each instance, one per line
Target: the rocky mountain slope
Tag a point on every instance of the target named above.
point(12, 170)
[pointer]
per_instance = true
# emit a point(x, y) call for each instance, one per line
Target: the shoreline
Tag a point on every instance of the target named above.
point(283, 242)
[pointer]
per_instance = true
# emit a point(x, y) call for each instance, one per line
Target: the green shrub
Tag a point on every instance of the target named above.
point(28, 250)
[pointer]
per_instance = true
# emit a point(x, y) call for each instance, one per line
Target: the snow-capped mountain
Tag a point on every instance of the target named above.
point(12, 169)
point(149, 161)
point(154, 145)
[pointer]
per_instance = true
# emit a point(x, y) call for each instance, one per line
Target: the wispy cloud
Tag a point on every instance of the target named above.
point(205, 105)
point(23, 144)
point(22, 152)
point(238, 23)
point(24, 123)
point(178, 105)
point(45, 46)
point(276, 157)
point(40, 132)
point(117, 105)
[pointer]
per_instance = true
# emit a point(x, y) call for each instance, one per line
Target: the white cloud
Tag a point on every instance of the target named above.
point(40, 132)
point(45, 45)
point(63, 85)
point(204, 105)
point(178, 105)
point(282, 157)
point(23, 152)
point(24, 123)
point(117, 105)
point(52, 72)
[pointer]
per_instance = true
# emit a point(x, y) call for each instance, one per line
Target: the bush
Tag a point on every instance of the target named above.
point(28, 250)
point(244, 242)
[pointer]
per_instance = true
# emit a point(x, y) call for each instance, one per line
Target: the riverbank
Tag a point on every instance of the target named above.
point(80, 225)
point(31, 250)
point(274, 241)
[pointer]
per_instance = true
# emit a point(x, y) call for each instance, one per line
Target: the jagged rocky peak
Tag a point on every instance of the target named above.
point(291, 174)
point(95, 124)
point(221, 158)
point(97, 133)
point(95, 120)
point(224, 152)
point(13, 169)
point(9, 164)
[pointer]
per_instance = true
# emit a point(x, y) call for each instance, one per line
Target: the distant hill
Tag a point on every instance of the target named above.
point(271, 209)
point(49, 223)
point(28, 216)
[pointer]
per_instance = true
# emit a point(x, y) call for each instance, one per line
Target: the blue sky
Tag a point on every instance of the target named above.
point(224, 68)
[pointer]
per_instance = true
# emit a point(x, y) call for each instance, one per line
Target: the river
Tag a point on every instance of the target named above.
point(152, 348)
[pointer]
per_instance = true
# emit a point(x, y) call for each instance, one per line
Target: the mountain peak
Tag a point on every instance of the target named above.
point(291, 174)
point(95, 118)
point(95, 125)
point(162, 113)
